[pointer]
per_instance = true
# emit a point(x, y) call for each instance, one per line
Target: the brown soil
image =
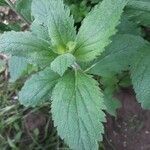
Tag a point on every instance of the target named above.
point(131, 129)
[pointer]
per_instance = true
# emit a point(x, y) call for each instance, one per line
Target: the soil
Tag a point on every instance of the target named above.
point(131, 129)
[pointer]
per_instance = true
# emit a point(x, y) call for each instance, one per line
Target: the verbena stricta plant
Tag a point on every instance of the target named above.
point(68, 58)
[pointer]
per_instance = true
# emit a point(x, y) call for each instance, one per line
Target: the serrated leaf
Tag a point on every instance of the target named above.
point(57, 18)
point(25, 44)
point(118, 55)
point(97, 28)
point(17, 67)
point(21, 42)
point(62, 62)
point(140, 74)
point(38, 88)
point(40, 30)
point(77, 105)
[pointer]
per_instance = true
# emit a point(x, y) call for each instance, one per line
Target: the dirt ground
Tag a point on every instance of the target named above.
point(131, 129)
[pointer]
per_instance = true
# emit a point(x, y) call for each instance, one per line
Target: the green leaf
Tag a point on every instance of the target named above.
point(4, 27)
point(11, 143)
point(24, 8)
point(79, 10)
point(110, 86)
point(3, 3)
point(97, 28)
point(77, 105)
point(62, 62)
point(140, 74)
point(127, 26)
point(138, 15)
point(17, 67)
point(111, 103)
point(9, 27)
point(118, 55)
point(21, 43)
point(139, 5)
point(40, 30)
point(57, 18)
point(125, 80)
point(38, 88)
point(25, 44)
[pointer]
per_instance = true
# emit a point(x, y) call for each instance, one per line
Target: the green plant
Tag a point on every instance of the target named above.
point(24, 128)
point(68, 60)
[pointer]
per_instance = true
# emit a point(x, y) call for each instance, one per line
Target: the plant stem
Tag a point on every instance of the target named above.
point(76, 66)
point(12, 6)
point(89, 68)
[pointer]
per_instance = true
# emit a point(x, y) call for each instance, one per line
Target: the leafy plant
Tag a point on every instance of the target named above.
point(68, 60)
point(24, 7)
point(3, 3)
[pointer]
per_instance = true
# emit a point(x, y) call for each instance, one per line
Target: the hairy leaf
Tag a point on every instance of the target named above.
point(97, 28)
point(62, 62)
point(21, 43)
point(17, 67)
point(77, 105)
point(57, 18)
point(40, 30)
point(140, 74)
point(38, 88)
point(118, 55)
point(27, 45)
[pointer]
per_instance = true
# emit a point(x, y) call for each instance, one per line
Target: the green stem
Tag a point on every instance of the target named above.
point(12, 6)
point(89, 68)
point(76, 66)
